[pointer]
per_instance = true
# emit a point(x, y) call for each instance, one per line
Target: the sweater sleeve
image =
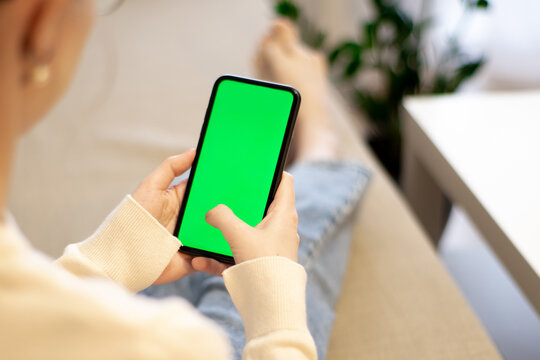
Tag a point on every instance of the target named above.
point(47, 313)
point(270, 296)
point(131, 247)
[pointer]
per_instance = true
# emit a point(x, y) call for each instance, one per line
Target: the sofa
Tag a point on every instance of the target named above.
point(140, 96)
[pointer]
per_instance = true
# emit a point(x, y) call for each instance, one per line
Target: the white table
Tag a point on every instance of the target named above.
point(481, 151)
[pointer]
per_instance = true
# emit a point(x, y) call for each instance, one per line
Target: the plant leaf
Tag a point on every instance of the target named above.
point(370, 34)
point(349, 48)
point(352, 67)
point(483, 4)
point(447, 84)
point(288, 9)
point(466, 71)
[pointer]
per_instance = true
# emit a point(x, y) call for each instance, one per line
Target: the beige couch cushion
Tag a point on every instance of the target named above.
point(398, 301)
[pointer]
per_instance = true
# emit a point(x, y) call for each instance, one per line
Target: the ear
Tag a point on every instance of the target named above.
point(41, 32)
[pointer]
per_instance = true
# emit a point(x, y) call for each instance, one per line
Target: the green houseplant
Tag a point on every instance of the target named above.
point(390, 46)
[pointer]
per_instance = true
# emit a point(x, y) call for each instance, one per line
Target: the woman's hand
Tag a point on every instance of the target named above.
point(163, 202)
point(156, 195)
point(276, 234)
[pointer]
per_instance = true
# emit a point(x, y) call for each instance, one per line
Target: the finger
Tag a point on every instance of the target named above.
point(179, 266)
point(232, 228)
point(172, 167)
point(209, 266)
point(180, 190)
point(284, 198)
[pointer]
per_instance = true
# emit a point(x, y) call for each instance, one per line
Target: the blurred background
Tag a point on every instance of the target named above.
point(145, 78)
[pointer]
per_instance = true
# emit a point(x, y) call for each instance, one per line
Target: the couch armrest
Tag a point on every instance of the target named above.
point(398, 301)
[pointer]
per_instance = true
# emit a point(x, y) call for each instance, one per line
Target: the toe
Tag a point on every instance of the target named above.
point(268, 56)
point(273, 53)
point(286, 27)
point(258, 65)
point(276, 60)
point(261, 67)
point(285, 32)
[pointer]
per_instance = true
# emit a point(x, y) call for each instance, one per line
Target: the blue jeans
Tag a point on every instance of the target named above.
point(326, 195)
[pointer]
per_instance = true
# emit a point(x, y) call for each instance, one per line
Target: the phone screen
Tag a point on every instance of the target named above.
point(242, 146)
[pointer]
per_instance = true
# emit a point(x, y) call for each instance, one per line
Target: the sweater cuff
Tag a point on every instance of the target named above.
point(131, 247)
point(269, 293)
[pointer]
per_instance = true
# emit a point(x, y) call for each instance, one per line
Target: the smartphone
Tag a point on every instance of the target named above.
point(240, 157)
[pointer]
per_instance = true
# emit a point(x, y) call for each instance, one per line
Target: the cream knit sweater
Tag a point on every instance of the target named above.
point(75, 309)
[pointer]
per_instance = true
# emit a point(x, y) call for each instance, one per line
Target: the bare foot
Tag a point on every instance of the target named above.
point(321, 132)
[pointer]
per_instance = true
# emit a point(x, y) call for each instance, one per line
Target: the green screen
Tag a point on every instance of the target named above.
point(237, 160)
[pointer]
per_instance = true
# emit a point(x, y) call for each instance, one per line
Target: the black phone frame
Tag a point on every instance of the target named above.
point(279, 166)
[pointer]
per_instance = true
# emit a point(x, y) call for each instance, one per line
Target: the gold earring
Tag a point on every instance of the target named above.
point(41, 75)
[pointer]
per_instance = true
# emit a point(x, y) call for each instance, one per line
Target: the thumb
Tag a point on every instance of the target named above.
point(223, 218)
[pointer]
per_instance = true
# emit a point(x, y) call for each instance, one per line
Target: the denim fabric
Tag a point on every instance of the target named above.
point(326, 195)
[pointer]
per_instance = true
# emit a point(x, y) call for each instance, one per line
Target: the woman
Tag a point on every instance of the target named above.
point(74, 308)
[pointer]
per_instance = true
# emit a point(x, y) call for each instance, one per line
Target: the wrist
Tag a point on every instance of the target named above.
point(269, 293)
point(131, 247)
